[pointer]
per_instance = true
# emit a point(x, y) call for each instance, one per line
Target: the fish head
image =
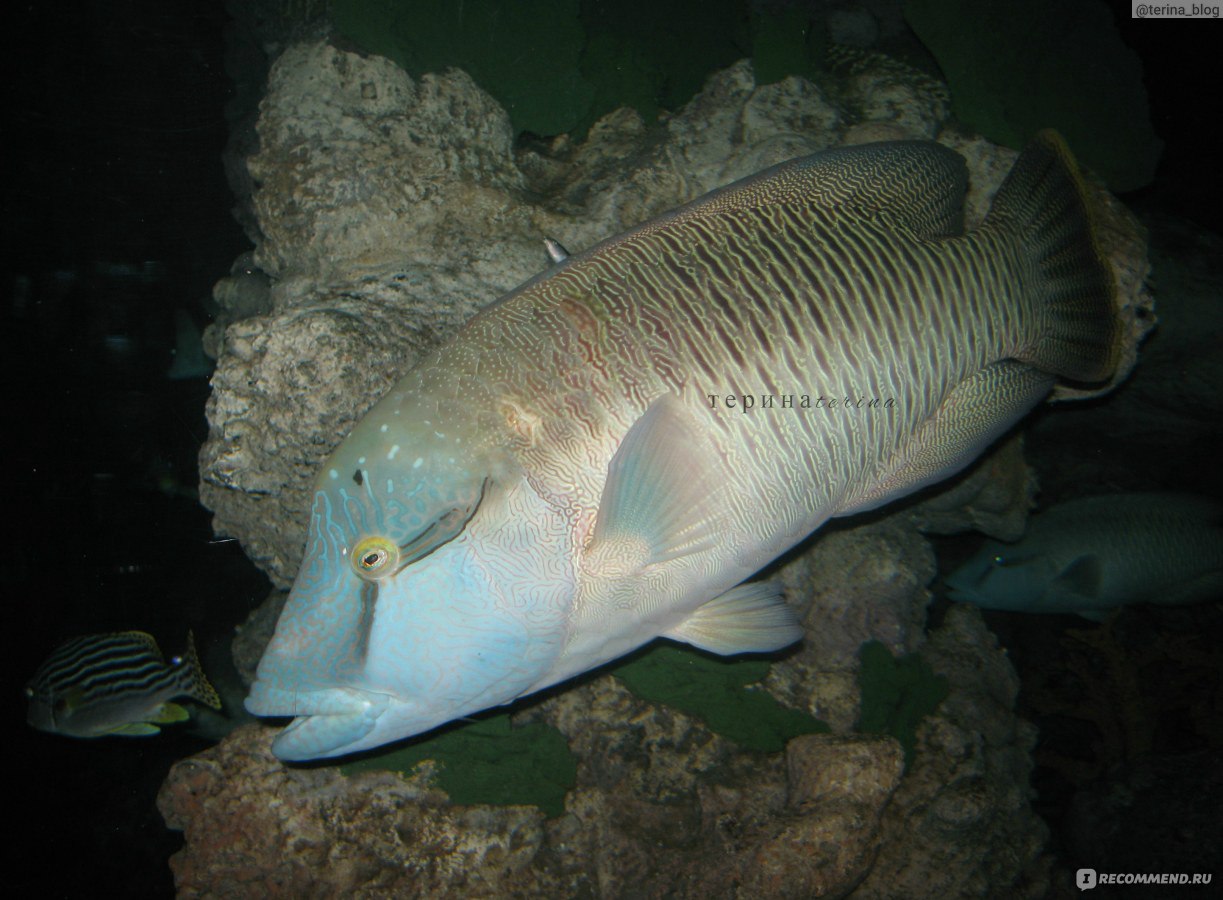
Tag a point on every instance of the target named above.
point(66, 712)
point(433, 585)
point(45, 709)
point(69, 713)
point(1006, 577)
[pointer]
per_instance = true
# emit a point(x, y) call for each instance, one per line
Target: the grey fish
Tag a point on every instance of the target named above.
point(603, 456)
point(1093, 555)
point(115, 683)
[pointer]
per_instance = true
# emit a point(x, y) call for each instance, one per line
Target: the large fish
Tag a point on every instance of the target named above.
point(1093, 555)
point(603, 456)
point(115, 684)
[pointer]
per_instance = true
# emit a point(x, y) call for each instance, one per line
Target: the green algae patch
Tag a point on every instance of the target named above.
point(489, 761)
point(897, 693)
point(719, 692)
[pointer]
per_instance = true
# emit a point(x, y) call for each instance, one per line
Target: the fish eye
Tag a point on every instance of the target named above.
point(375, 557)
point(1012, 560)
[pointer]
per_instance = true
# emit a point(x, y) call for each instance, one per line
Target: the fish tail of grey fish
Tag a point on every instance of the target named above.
point(1043, 206)
point(192, 679)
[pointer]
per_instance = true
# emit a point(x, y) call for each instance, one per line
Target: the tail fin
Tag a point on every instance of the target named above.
point(1042, 201)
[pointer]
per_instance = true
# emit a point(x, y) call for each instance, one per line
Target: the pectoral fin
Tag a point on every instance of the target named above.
point(663, 496)
point(750, 618)
point(1082, 578)
point(1077, 588)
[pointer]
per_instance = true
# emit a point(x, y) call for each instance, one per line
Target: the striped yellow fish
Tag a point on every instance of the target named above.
point(603, 456)
point(116, 683)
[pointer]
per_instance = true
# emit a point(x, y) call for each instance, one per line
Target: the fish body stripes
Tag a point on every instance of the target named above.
point(764, 301)
point(114, 683)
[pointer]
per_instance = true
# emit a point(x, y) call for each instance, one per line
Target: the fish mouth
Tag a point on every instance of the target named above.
point(326, 722)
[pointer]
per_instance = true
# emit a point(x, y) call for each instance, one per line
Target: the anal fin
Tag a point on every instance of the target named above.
point(1207, 586)
point(135, 729)
point(750, 618)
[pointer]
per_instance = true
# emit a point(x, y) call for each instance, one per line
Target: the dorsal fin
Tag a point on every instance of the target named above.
point(556, 252)
point(917, 186)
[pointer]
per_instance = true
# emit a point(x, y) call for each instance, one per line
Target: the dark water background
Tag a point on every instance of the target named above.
point(117, 215)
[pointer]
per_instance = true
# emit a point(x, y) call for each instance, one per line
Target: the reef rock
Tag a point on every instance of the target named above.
point(960, 824)
point(662, 805)
point(254, 827)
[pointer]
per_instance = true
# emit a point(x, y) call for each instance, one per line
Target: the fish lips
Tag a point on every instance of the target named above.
point(326, 722)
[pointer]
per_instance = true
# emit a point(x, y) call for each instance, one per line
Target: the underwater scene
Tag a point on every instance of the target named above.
point(573, 448)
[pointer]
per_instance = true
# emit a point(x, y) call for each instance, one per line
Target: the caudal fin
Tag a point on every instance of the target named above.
point(1077, 336)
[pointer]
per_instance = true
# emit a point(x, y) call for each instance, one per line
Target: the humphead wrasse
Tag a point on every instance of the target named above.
point(1095, 554)
point(577, 471)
